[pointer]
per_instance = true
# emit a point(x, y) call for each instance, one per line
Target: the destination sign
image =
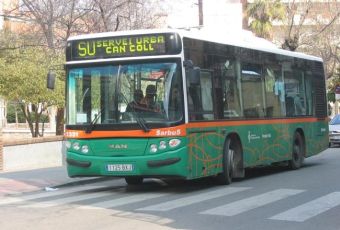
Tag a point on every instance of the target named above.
point(124, 46)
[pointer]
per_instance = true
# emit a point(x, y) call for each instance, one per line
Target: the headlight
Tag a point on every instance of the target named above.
point(174, 143)
point(153, 148)
point(162, 145)
point(68, 144)
point(76, 146)
point(84, 149)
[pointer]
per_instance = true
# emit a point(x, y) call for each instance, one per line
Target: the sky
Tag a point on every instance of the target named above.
point(218, 14)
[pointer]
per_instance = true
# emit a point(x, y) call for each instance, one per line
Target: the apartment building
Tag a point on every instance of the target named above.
point(9, 20)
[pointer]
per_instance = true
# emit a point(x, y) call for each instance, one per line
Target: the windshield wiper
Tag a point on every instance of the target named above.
point(141, 122)
point(89, 128)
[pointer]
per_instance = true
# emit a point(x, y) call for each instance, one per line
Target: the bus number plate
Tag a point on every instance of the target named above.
point(119, 167)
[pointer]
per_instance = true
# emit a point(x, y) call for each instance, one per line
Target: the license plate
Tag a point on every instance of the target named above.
point(119, 167)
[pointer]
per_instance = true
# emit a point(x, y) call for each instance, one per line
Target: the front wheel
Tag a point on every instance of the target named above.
point(298, 152)
point(134, 180)
point(225, 177)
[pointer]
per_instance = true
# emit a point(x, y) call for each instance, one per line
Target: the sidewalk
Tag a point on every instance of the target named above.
point(12, 183)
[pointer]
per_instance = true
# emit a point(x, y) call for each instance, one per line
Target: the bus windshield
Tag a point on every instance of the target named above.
point(140, 94)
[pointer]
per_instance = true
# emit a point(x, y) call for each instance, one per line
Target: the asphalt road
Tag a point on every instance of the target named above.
point(268, 198)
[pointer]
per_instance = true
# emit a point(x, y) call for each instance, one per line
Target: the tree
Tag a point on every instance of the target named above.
point(332, 83)
point(312, 27)
point(262, 14)
point(23, 79)
point(305, 20)
point(107, 15)
point(50, 23)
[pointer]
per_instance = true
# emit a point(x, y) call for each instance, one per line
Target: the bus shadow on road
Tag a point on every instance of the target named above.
point(175, 185)
point(178, 185)
point(257, 172)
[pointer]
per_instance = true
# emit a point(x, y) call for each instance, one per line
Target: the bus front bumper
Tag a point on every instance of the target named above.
point(172, 163)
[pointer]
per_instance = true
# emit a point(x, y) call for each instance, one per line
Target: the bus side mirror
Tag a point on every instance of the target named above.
point(194, 76)
point(193, 72)
point(50, 79)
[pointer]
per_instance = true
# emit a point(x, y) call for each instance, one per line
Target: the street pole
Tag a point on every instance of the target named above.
point(200, 12)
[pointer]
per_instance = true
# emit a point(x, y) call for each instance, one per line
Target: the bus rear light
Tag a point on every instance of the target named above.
point(174, 143)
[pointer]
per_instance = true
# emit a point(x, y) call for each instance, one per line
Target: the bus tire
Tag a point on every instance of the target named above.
point(298, 152)
point(225, 177)
point(134, 180)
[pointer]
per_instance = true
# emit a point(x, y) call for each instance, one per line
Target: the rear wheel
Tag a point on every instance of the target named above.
point(298, 152)
point(225, 177)
point(134, 180)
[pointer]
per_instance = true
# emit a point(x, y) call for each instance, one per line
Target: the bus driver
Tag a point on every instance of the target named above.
point(150, 98)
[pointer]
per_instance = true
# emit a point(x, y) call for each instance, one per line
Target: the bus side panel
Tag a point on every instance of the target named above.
point(201, 152)
point(276, 140)
point(262, 144)
point(205, 148)
point(251, 141)
point(318, 139)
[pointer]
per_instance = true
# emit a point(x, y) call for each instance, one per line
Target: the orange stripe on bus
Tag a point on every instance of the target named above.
point(180, 130)
point(249, 122)
point(161, 132)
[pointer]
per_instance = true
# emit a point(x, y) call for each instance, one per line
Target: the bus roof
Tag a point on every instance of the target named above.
point(240, 38)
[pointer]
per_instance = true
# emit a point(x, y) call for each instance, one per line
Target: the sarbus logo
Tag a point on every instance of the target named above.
point(168, 132)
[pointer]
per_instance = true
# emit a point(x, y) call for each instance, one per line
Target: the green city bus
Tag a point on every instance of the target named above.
point(189, 104)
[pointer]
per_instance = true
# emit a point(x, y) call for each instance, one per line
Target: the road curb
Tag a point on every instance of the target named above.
point(83, 181)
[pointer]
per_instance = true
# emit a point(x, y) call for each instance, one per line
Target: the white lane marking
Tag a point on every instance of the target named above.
point(44, 194)
point(253, 202)
point(310, 209)
point(72, 199)
point(185, 201)
point(129, 199)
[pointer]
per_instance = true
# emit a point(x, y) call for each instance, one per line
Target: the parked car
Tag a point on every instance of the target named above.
point(334, 130)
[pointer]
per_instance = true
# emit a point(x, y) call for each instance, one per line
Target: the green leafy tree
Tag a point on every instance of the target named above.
point(332, 83)
point(23, 79)
point(262, 14)
point(52, 22)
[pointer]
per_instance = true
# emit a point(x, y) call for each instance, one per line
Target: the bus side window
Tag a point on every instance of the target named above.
point(274, 91)
point(252, 90)
point(194, 103)
point(231, 102)
point(295, 93)
point(207, 95)
point(200, 100)
point(290, 109)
